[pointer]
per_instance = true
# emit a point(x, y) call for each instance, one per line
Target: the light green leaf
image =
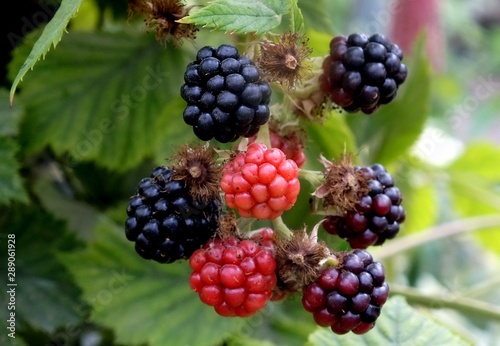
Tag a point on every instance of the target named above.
point(144, 301)
point(104, 97)
point(11, 186)
point(51, 36)
point(46, 297)
point(239, 17)
point(389, 132)
point(398, 324)
point(332, 138)
point(296, 18)
point(474, 187)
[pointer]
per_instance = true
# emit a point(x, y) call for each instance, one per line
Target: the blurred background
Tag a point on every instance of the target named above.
point(82, 132)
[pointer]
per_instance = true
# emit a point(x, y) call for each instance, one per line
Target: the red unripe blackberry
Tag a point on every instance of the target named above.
point(290, 144)
point(377, 216)
point(226, 97)
point(361, 73)
point(235, 276)
point(165, 221)
point(348, 297)
point(260, 183)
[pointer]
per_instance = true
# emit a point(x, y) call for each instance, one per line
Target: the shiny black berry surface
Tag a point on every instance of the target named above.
point(225, 95)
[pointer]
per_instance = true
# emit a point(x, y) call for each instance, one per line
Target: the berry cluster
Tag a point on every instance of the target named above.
point(349, 297)
point(235, 276)
point(362, 72)
point(377, 216)
point(226, 97)
point(261, 182)
point(176, 212)
point(165, 222)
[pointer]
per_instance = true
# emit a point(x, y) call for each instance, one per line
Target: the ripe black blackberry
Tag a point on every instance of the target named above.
point(226, 97)
point(165, 222)
point(362, 73)
point(348, 297)
point(377, 214)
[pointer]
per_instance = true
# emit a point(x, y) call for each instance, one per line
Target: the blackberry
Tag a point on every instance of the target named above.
point(377, 215)
point(165, 222)
point(226, 97)
point(350, 296)
point(361, 73)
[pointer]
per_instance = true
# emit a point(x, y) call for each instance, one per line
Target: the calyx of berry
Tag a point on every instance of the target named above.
point(299, 259)
point(197, 166)
point(343, 185)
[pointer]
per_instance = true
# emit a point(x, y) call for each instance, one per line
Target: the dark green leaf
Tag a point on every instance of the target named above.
point(51, 36)
point(9, 116)
point(46, 297)
point(398, 324)
point(144, 301)
point(11, 186)
point(236, 16)
point(103, 97)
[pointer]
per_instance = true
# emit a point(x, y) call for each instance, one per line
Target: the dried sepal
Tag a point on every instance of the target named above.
point(197, 166)
point(344, 184)
point(163, 16)
point(284, 60)
point(298, 260)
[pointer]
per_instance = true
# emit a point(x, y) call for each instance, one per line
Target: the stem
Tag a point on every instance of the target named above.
point(263, 135)
point(465, 305)
point(281, 229)
point(315, 178)
point(244, 224)
point(434, 233)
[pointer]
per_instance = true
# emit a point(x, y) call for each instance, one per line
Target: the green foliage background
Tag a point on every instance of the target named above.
point(96, 108)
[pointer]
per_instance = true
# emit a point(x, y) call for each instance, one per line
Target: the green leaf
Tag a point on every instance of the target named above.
point(389, 132)
point(11, 186)
point(398, 324)
point(46, 297)
point(51, 36)
point(296, 18)
point(9, 116)
point(239, 17)
point(332, 138)
point(144, 301)
point(474, 187)
point(104, 97)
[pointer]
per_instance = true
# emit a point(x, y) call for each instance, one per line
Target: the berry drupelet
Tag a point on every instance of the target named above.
point(348, 297)
point(226, 97)
point(361, 73)
point(377, 215)
point(165, 221)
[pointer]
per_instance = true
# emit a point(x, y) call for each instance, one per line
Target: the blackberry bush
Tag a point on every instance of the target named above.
point(377, 215)
point(362, 72)
point(225, 94)
point(348, 297)
point(165, 221)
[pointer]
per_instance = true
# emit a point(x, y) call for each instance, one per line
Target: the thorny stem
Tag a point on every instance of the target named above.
point(465, 305)
point(282, 229)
